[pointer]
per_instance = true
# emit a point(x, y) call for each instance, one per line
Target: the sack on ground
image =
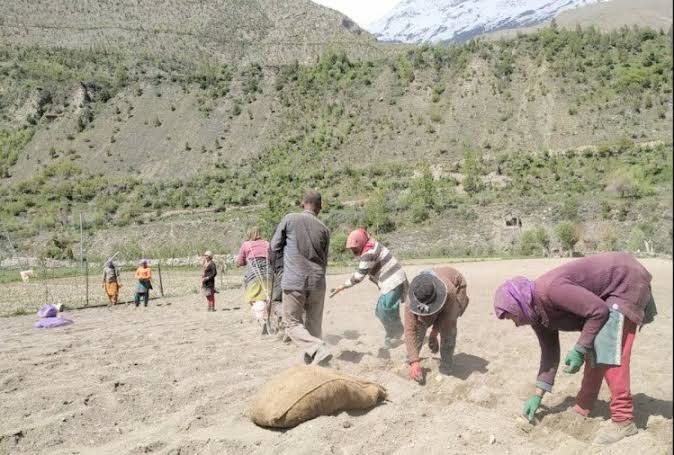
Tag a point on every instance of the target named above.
point(303, 392)
point(48, 311)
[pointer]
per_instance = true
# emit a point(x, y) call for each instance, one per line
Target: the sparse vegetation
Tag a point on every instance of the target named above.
point(568, 235)
point(535, 242)
point(329, 125)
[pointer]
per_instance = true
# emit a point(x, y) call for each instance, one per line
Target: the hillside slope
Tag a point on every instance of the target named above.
point(441, 142)
point(494, 98)
point(261, 31)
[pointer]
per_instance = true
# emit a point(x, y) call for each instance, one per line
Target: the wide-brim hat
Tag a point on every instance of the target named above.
point(427, 294)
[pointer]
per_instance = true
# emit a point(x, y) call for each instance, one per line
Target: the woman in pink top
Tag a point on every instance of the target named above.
point(254, 253)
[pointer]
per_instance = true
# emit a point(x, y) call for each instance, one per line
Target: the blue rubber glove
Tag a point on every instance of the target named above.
point(530, 407)
point(574, 360)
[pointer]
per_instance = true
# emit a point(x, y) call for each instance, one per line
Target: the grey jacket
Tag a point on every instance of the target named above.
point(303, 240)
point(110, 274)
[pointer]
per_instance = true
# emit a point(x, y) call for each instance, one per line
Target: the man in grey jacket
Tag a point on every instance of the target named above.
point(303, 240)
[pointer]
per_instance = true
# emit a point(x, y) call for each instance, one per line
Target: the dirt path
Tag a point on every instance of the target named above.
point(174, 379)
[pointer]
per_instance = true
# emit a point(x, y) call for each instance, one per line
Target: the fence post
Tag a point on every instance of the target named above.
point(81, 244)
point(161, 285)
point(86, 280)
point(44, 278)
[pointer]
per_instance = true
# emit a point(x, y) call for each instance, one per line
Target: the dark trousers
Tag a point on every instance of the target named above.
point(146, 297)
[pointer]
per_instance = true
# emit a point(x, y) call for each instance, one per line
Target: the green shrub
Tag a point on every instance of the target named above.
point(58, 247)
point(629, 182)
point(534, 242)
point(568, 235)
point(419, 211)
point(423, 188)
point(569, 208)
point(338, 249)
point(605, 210)
point(472, 183)
point(236, 109)
point(12, 143)
point(608, 240)
point(637, 239)
point(377, 217)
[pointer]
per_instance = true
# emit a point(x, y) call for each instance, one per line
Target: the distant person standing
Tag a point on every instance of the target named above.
point(144, 277)
point(111, 281)
point(303, 240)
point(208, 280)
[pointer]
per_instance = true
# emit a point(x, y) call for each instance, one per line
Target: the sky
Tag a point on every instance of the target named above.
point(362, 11)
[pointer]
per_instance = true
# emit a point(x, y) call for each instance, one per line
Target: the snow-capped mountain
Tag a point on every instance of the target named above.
point(427, 21)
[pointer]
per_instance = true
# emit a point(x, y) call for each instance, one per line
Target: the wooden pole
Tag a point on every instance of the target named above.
point(86, 280)
point(44, 278)
point(161, 285)
point(81, 245)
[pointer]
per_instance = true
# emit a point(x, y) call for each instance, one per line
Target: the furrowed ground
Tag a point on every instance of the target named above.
point(175, 379)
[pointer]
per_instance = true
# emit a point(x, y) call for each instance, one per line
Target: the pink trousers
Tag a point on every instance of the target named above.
point(617, 378)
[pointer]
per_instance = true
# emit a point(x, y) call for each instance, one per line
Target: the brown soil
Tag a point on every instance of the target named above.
point(175, 379)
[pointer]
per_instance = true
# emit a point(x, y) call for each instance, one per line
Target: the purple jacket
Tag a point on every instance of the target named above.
point(577, 296)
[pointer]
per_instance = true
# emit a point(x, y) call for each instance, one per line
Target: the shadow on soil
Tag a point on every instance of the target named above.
point(645, 406)
point(333, 340)
point(467, 364)
point(351, 356)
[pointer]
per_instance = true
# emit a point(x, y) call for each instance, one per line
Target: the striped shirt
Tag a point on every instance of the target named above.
point(383, 269)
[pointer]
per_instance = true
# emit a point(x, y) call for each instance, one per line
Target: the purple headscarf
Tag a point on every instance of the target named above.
point(516, 298)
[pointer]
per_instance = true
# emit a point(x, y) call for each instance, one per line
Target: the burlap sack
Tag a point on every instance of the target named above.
point(303, 392)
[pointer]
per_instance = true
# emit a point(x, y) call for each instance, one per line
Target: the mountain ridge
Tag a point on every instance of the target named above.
point(261, 31)
point(426, 21)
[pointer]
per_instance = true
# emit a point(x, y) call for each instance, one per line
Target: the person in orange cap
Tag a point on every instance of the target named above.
point(377, 262)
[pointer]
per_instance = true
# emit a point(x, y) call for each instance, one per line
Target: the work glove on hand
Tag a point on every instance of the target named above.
point(433, 344)
point(415, 372)
point(574, 359)
point(530, 407)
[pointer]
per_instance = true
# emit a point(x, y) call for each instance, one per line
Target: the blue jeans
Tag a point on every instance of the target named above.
point(388, 312)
